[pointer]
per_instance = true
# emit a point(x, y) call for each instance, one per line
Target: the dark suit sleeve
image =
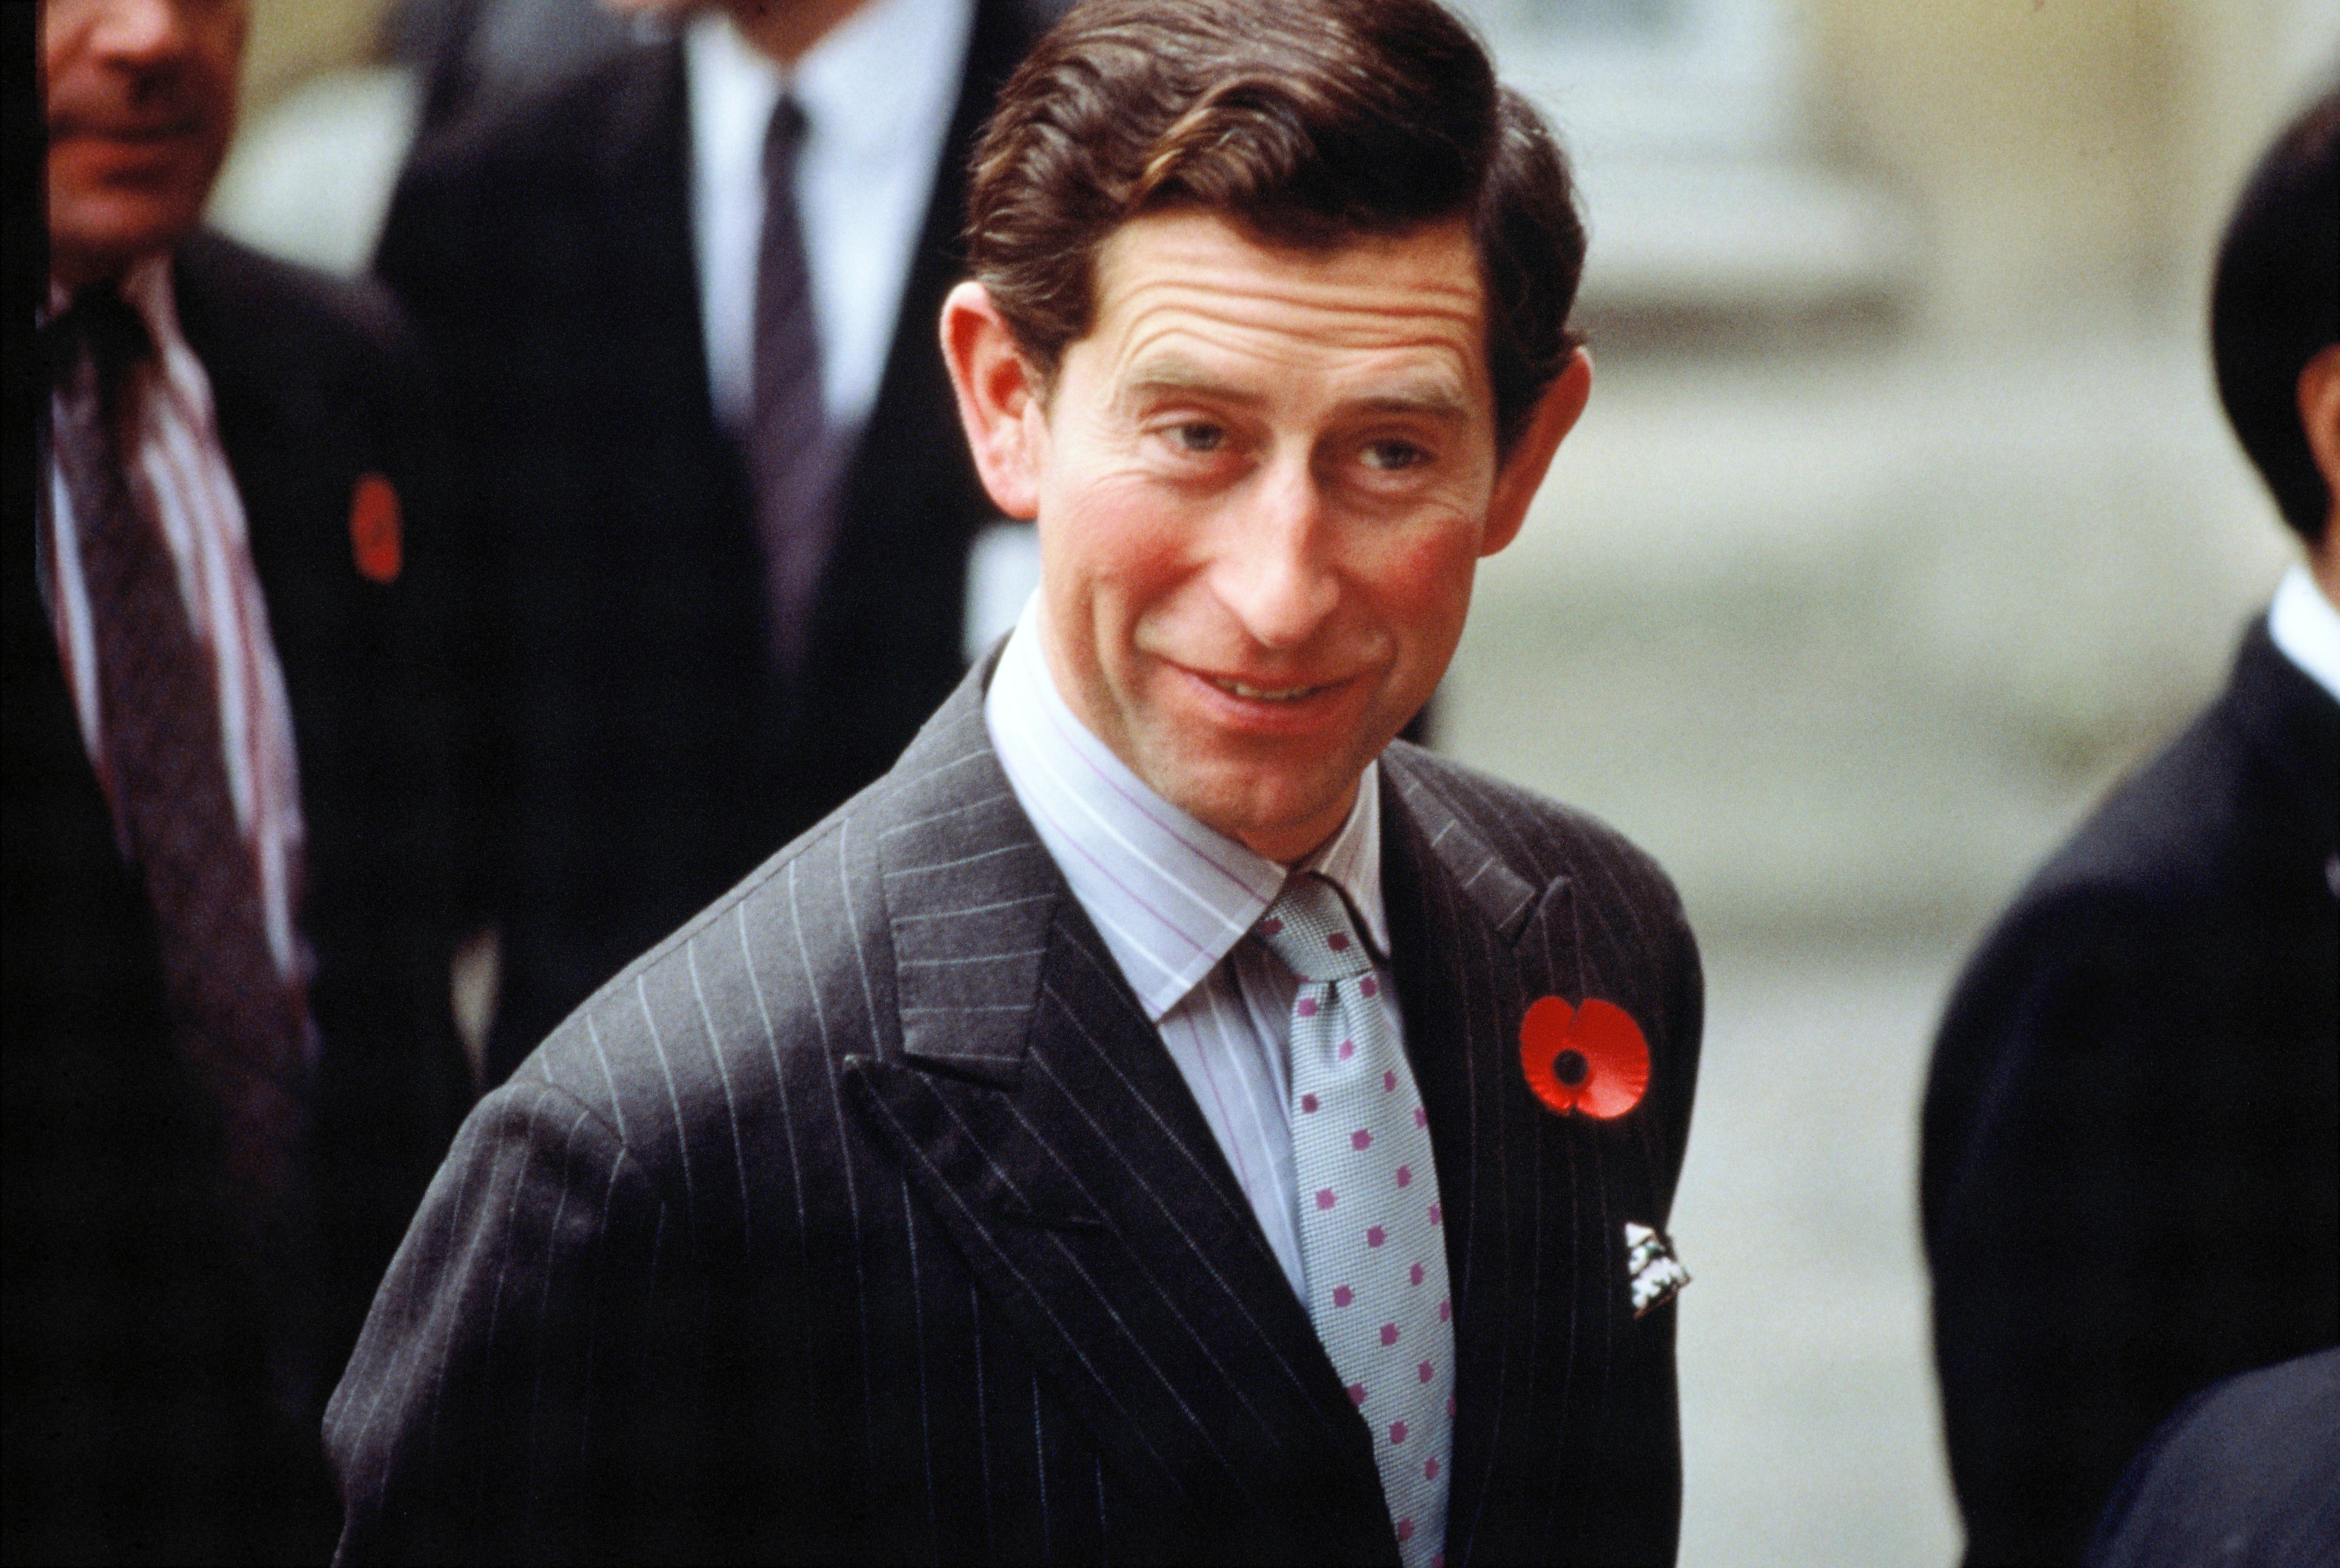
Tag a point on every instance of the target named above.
point(2247, 1474)
point(2033, 1277)
point(496, 1408)
point(2106, 1205)
point(322, 397)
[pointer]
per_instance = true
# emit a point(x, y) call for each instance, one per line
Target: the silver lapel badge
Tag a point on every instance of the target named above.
point(1657, 1274)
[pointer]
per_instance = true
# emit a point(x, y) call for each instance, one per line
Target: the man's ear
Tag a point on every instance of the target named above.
point(1523, 471)
point(1000, 401)
point(2319, 413)
point(2319, 420)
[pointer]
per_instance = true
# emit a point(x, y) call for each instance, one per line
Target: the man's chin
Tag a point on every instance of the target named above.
point(1281, 817)
point(96, 236)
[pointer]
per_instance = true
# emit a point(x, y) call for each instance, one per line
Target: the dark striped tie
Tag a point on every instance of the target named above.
point(241, 1026)
point(795, 461)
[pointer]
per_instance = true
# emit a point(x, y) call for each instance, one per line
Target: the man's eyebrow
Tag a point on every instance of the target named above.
point(1430, 396)
point(1174, 375)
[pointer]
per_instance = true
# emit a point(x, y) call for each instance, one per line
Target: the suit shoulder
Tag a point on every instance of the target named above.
point(761, 990)
point(228, 289)
point(2181, 871)
point(1538, 838)
point(2167, 829)
point(2162, 846)
point(502, 151)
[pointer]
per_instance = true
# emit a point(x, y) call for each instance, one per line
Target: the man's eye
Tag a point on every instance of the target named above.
point(1195, 437)
point(1390, 457)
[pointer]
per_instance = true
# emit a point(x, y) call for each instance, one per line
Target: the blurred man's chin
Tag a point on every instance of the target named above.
point(97, 233)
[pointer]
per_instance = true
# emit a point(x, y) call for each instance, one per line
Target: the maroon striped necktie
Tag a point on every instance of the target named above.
point(795, 460)
point(241, 1026)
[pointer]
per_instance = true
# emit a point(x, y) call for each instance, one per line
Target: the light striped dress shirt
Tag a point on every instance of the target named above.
point(178, 466)
point(1175, 902)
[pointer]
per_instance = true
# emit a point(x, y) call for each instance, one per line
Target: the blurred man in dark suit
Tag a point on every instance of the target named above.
point(2131, 1182)
point(684, 306)
point(229, 1067)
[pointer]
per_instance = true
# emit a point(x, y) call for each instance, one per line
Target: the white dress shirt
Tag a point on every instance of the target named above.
point(878, 92)
point(1175, 902)
point(177, 463)
point(2305, 627)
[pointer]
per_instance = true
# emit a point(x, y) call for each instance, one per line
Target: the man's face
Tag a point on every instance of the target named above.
point(1263, 482)
point(140, 99)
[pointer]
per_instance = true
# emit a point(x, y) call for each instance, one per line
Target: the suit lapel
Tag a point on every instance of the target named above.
point(1038, 1116)
point(1534, 1202)
point(1454, 911)
point(2294, 724)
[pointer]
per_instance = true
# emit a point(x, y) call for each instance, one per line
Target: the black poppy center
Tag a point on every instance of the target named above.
point(1569, 1068)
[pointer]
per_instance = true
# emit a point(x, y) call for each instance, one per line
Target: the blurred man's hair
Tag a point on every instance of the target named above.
point(1309, 124)
point(2276, 304)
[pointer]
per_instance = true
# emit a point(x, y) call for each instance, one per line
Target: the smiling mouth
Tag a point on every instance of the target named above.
point(1268, 693)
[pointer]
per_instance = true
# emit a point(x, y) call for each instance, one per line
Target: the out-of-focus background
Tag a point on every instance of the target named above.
point(1903, 519)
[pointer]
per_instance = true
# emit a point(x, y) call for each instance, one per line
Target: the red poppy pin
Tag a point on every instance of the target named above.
point(377, 538)
point(1590, 1058)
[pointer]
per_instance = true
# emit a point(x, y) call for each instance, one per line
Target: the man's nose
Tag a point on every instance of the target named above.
point(1275, 570)
point(139, 32)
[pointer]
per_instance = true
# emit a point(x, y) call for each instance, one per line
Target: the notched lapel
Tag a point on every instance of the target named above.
point(970, 901)
point(1471, 866)
point(970, 897)
point(1534, 1201)
point(1090, 1202)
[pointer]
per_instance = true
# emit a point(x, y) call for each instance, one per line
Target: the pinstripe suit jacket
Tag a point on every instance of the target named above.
point(866, 1219)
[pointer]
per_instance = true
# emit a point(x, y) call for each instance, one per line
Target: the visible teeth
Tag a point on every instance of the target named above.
point(1266, 693)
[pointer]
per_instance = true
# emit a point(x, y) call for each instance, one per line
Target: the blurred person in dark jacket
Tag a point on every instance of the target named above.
point(684, 306)
point(2247, 1474)
point(2130, 1184)
point(230, 1065)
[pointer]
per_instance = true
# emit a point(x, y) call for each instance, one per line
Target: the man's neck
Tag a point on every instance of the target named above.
point(786, 30)
point(73, 273)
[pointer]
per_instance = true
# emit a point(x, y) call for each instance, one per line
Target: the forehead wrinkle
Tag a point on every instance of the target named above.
point(1186, 303)
point(1251, 300)
point(1148, 350)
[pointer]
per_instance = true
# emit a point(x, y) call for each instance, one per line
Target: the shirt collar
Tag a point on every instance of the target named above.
point(915, 47)
point(2306, 626)
point(732, 91)
point(1169, 894)
point(147, 287)
point(912, 46)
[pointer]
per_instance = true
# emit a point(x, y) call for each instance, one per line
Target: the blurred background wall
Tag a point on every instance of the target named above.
point(1902, 520)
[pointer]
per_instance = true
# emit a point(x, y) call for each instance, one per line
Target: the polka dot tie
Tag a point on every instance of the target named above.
point(1369, 1228)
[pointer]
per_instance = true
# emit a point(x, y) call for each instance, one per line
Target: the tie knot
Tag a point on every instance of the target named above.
point(1308, 928)
point(102, 321)
point(782, 138)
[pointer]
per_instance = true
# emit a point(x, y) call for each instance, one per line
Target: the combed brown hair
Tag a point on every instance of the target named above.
point(1309, 124)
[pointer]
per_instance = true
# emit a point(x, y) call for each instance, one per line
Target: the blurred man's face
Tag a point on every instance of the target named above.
point(1263, 481)
point(141, 98)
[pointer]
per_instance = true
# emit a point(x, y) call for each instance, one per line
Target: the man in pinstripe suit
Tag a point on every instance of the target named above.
point(950, 1190)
